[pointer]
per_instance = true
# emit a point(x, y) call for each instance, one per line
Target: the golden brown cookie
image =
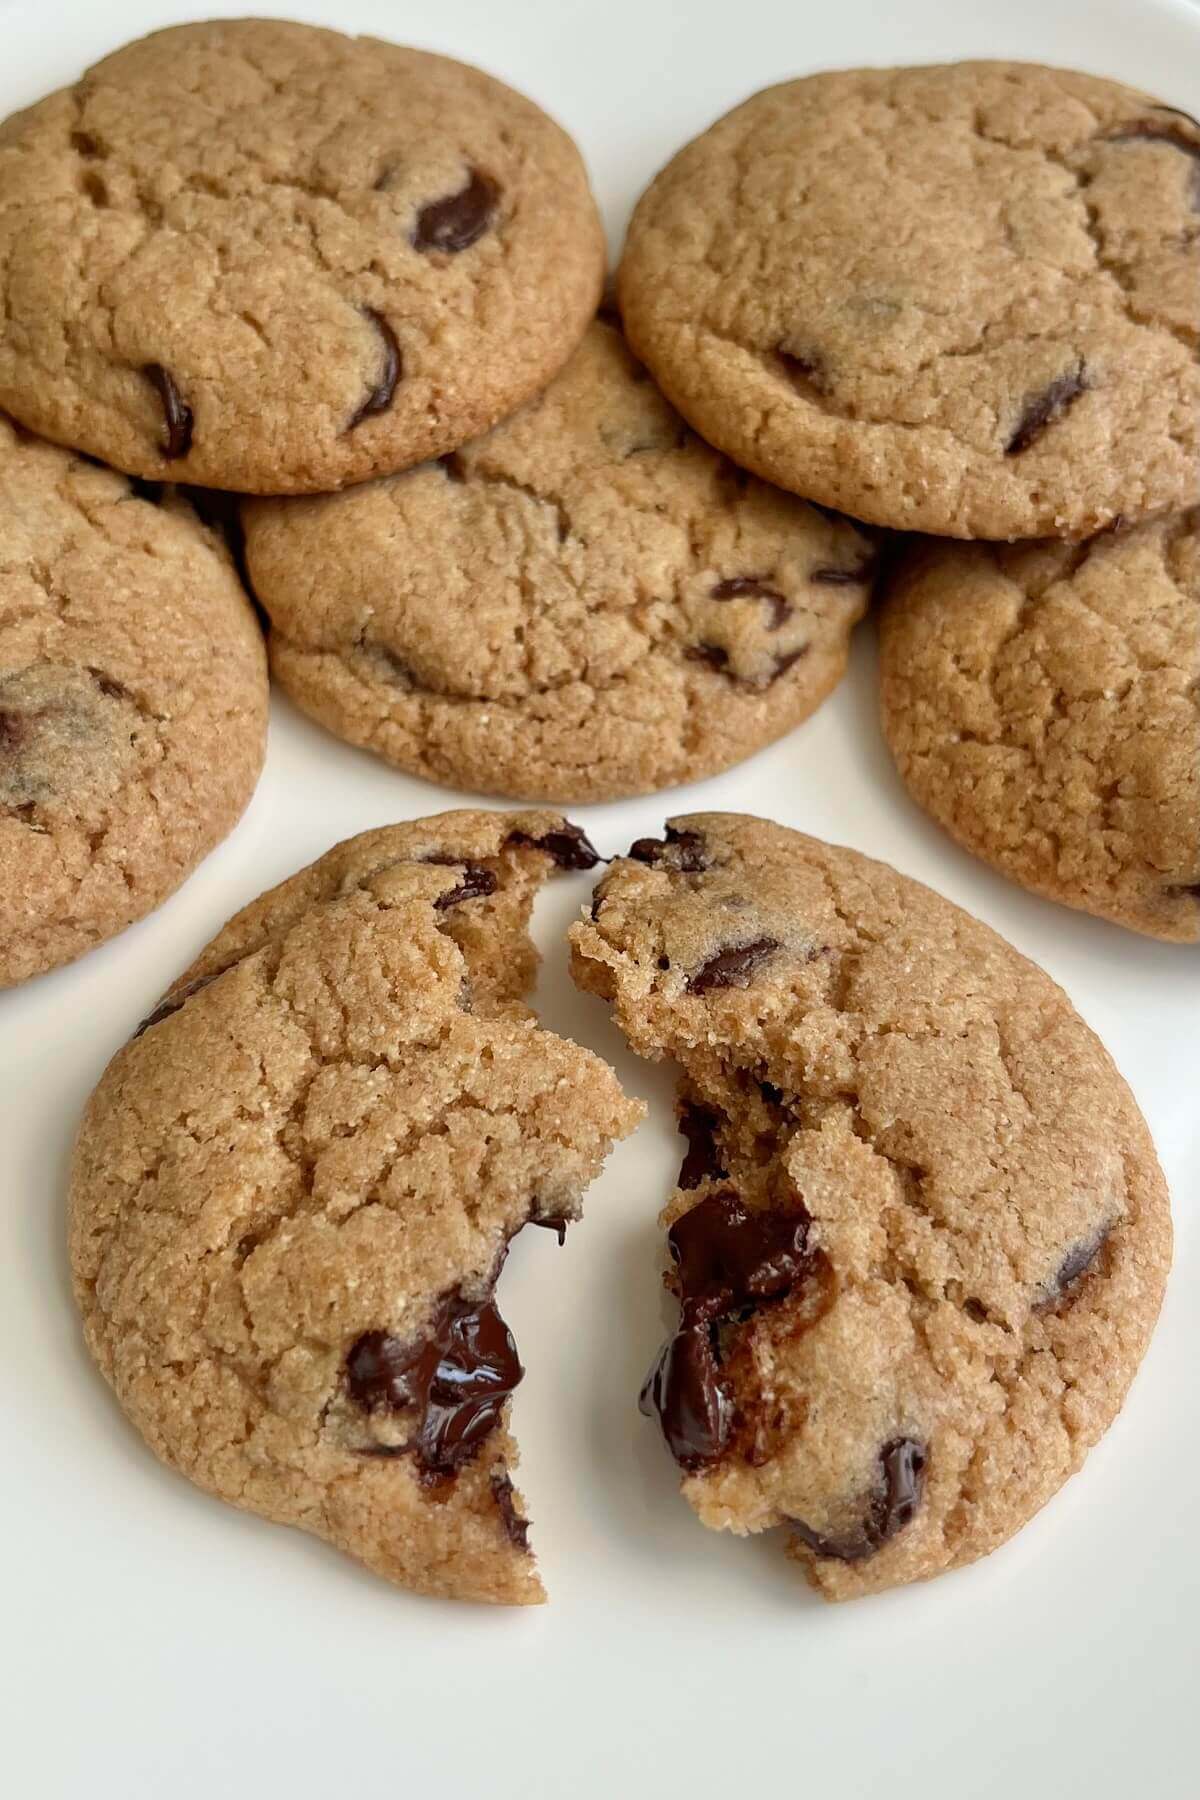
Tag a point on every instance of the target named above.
point(1043, 703)
point(920, 1235)
point(256, 255)
point(958, 299)
point(294, 1190)
point(586, 603)
point(133, 702)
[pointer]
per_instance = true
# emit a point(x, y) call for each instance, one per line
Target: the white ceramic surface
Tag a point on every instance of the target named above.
point(155, 1643)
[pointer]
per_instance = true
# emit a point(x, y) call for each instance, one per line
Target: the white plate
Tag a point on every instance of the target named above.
point(160, 1644)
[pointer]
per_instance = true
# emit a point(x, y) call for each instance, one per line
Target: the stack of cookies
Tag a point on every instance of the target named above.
point(931, 332)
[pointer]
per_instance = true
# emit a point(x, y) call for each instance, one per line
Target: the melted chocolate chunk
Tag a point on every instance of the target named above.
point(803, 371)
point(701, 1162)
point(903, 1463)
point(477, 882)
point(556, 1223)
point(682, 852)
point(516, 1528)
point(177, 414)
point(683, 1391)
point(172, 1005)
point(715, 655)
point(1045, 409)
point(380, 396)
point(569, 845)
point(459, 220)
point(731, 968)
point(1160, 131)
point(457, 1379)
point(729, 1261)
point(754, 587)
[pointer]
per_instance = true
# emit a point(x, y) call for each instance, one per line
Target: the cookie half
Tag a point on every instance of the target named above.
point(256, 255)
point(133, 702)
point(920, 1236)
point(293, 1193)
point(589, 602)
point(956, 299)
point(1043, 703)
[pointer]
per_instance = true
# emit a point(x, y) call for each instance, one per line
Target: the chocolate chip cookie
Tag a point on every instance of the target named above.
point(958, 300)
point(1042, 701)
point(294, 1189)
point(133, 702)
point(256, 255)
point(920, 1235)
point(586, 603)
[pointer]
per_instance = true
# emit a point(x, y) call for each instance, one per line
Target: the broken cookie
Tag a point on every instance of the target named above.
point(920, 1236)
point(294, 1190)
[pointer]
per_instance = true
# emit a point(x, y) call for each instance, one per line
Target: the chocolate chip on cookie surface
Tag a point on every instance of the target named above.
point(956, 299)
point(920, 1236)
point(586, 603)
point(294, 1190)
point(256, 255)
point(1042, 701)
point(133, 702)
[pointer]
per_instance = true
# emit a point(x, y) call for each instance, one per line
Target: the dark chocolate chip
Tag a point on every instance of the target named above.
point(784, 663)
point(713, 654)
point(457, 1379)
point(1160, 131)
point(477, 882)
point(1078, 1261)
point(177, 414)
point(173, 1003)
point(737, 587)
point(729, 1261)
point(855, 577)
point(15, 730)
point(682, 852)
point(569, 845)
point(459, 220)
point(380, 396)
point(699, 1126)
point(734, 967)
point(976, 1310)
point(903, 1463)
point(516, 1528)
point(804, 371)
point(555, 1222)
point(109, 686)
point(1045, 409)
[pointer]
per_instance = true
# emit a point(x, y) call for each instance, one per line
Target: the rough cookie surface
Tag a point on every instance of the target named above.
point(586, 603)
point(921, 1235)
point(256, 255)
point(1043, 703)
point(293, 1191)
point(956, 299)
point(133, 702)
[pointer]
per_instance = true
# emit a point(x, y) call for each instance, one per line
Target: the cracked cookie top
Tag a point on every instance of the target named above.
point(588, 602)
point(256, 255)
point(920, 1235)
point(956, 299)
point(133, 701)
point(294, 1189)
point(1042, 701)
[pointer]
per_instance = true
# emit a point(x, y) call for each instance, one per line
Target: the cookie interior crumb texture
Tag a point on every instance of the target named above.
point(294, 1189)
point(133, 701)
point(920, 1236)
point(957, 299)
point(256, 255)
point(588, 602)
point(1043, 703)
